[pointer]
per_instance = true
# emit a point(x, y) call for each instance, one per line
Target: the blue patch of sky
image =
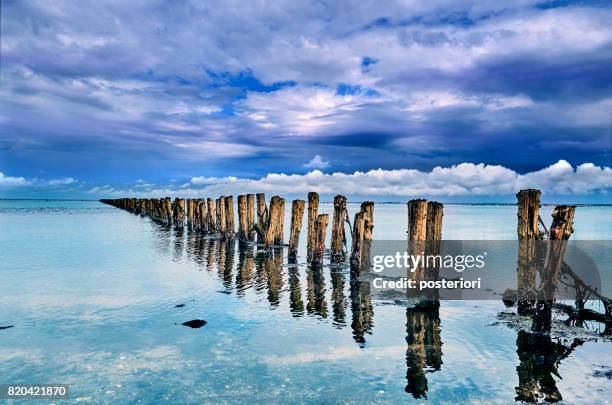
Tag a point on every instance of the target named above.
point(344, 89)
point(367, 63)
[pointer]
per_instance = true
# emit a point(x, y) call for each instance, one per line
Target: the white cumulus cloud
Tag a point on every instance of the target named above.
point(317, 162)
point(465, 179)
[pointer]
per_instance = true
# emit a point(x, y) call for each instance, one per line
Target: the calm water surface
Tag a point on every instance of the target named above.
point(92, 293)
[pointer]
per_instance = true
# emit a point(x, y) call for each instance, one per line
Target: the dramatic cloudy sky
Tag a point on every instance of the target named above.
point(447, 97)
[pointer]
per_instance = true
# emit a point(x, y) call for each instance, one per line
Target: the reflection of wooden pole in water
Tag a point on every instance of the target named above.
point(229, 262)
point(261, 275)
point(212, 254)
point(313, 208)
point(230, 227)
point(179, 243)
point(220, 253)
point(246, 263)
point(273, 266)
point(539, 359)
point(295, 292)
point(424, 346)
point(212, 216)
point(528, 202)
point(338, 238)
point(361, 309)
point(297, 214)
point(337, 297)
point(315, 280)
point(319, 238)
point(560, 231)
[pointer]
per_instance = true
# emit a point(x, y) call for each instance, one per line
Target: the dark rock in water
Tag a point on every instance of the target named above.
point(6, 327)
point(179, 305)
point(195, 323)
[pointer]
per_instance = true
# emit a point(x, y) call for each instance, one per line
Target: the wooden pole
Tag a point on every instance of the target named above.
point(179, 212)
point(230, 227)
point(279, 239)
point(297, 214)
point(417, 234)
point(319, 240)
point(560, 231)
point(338, 238)
point(212, 216)
point(358, 238)
point(417, 220)
point(221, 220)
point(190, 213)
point(274, 217)
point(529, 261)
point(250, 201)
point(262, 211)
point(203, 217)
point(368, 208)
point(313, 208)
point(243, 227)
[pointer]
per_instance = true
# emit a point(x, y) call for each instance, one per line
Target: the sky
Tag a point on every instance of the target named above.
point(461, 100)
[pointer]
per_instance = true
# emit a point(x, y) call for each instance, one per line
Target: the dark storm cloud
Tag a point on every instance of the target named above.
point(113, 91)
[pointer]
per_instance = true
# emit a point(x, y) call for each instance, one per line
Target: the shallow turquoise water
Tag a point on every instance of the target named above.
point(91, 291)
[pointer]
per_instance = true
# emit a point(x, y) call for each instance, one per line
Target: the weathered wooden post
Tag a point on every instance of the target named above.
point(168, 209)
point(271, 232)
point(338, 238)
point(262, 211)
point(319, 240)
point(368, 208)
point(279, 239)
point(179, 212)
point(221, 220)
point(212, 216)
point(358, 238)
point(530, 258)
point(297, 214)
point(417, 220)
point(417, 234)
point(560, 231)
point(230, 227)
point(190, 213)
point(433, 232)
point(243, 228)
point(313, 208)
point(203, 226)
point(250, 202)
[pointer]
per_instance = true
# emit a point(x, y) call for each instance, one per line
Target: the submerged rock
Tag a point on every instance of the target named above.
point(6, 327)
point(179, 305)
point(195, 323)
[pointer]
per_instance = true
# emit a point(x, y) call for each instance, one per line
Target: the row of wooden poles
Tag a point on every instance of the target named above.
point(264, 223)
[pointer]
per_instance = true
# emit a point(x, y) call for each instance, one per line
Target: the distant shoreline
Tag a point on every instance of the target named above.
point(331, 202)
